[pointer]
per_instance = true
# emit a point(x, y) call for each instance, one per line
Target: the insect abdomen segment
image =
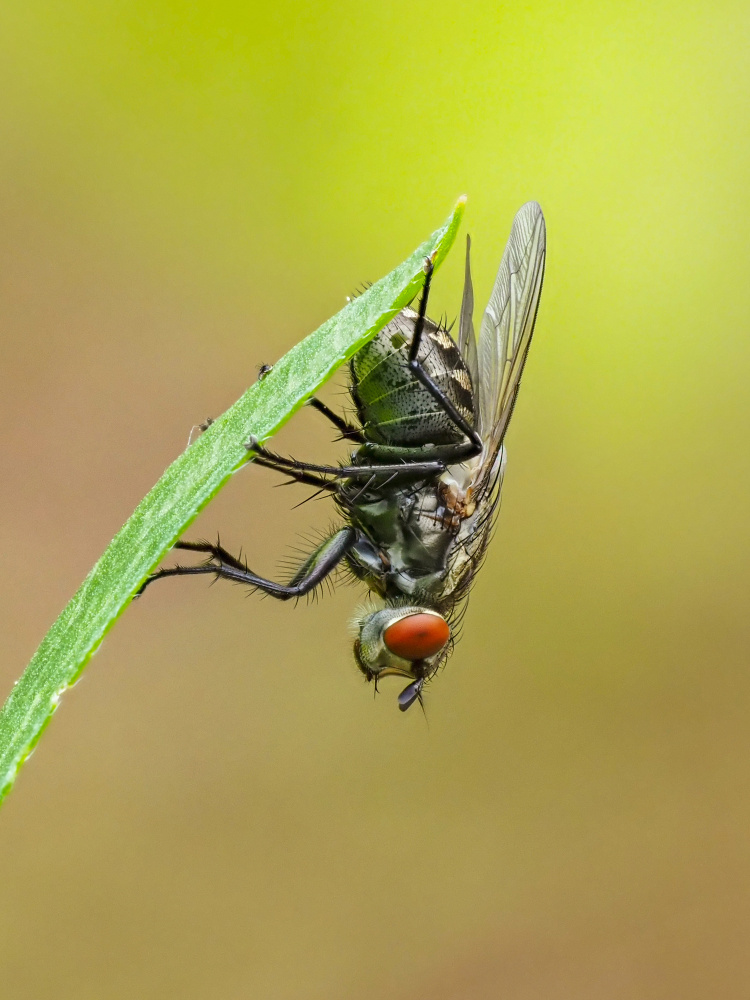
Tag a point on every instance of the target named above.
point(393, 408)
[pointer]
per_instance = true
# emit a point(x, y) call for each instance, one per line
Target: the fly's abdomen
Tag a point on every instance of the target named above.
point(393, 407)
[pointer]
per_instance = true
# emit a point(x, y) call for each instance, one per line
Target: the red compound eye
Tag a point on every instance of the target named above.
point(417, 636)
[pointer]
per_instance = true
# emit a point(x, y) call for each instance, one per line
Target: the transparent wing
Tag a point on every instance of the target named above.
point(508, 325)
point(467, 343)
point(504, 339)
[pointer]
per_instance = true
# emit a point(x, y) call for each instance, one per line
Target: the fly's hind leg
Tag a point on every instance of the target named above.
point(224, 566)
point(405, 462)
point(447, 453)
point(347, 430)
point(474, 444)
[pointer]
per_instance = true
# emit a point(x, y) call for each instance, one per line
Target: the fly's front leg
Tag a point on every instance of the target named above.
point(224, 566)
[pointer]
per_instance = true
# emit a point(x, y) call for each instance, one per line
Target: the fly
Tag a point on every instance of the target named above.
point(421, 494)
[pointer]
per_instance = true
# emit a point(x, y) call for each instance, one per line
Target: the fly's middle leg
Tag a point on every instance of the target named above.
point(408, 468)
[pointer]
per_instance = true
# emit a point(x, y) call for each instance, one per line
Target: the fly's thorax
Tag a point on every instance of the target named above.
point(392, 406)
point(404, 543)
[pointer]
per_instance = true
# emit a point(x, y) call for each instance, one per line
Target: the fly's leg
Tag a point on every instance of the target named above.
point(224, 566)
point(217, 552)
point(410, 467)
point(298, 475)
point(474, 446)
point(348, 431)
point(445, 453)
point(409, 462)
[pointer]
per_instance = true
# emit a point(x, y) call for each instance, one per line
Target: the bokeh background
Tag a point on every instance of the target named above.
point(220, 809)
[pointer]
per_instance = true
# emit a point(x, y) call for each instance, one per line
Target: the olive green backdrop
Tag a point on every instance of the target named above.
point(220, 810)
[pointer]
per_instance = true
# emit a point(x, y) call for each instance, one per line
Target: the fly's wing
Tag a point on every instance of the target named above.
point(507, 327)
point(504, 340)
point(467, 343)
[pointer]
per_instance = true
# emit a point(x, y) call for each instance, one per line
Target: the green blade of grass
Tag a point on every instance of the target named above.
point(185, 489)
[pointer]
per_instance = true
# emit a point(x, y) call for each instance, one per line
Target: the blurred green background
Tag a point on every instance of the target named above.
point(220, 809)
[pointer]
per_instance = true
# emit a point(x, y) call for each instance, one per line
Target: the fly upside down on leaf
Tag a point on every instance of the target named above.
point(420, 496)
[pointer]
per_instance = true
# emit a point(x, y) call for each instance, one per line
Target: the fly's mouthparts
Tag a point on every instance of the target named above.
point(410, 694)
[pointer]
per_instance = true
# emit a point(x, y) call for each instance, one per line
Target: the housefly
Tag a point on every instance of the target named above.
point(420, 496)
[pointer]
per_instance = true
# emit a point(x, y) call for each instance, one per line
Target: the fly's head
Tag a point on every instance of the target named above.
point(402, 641)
